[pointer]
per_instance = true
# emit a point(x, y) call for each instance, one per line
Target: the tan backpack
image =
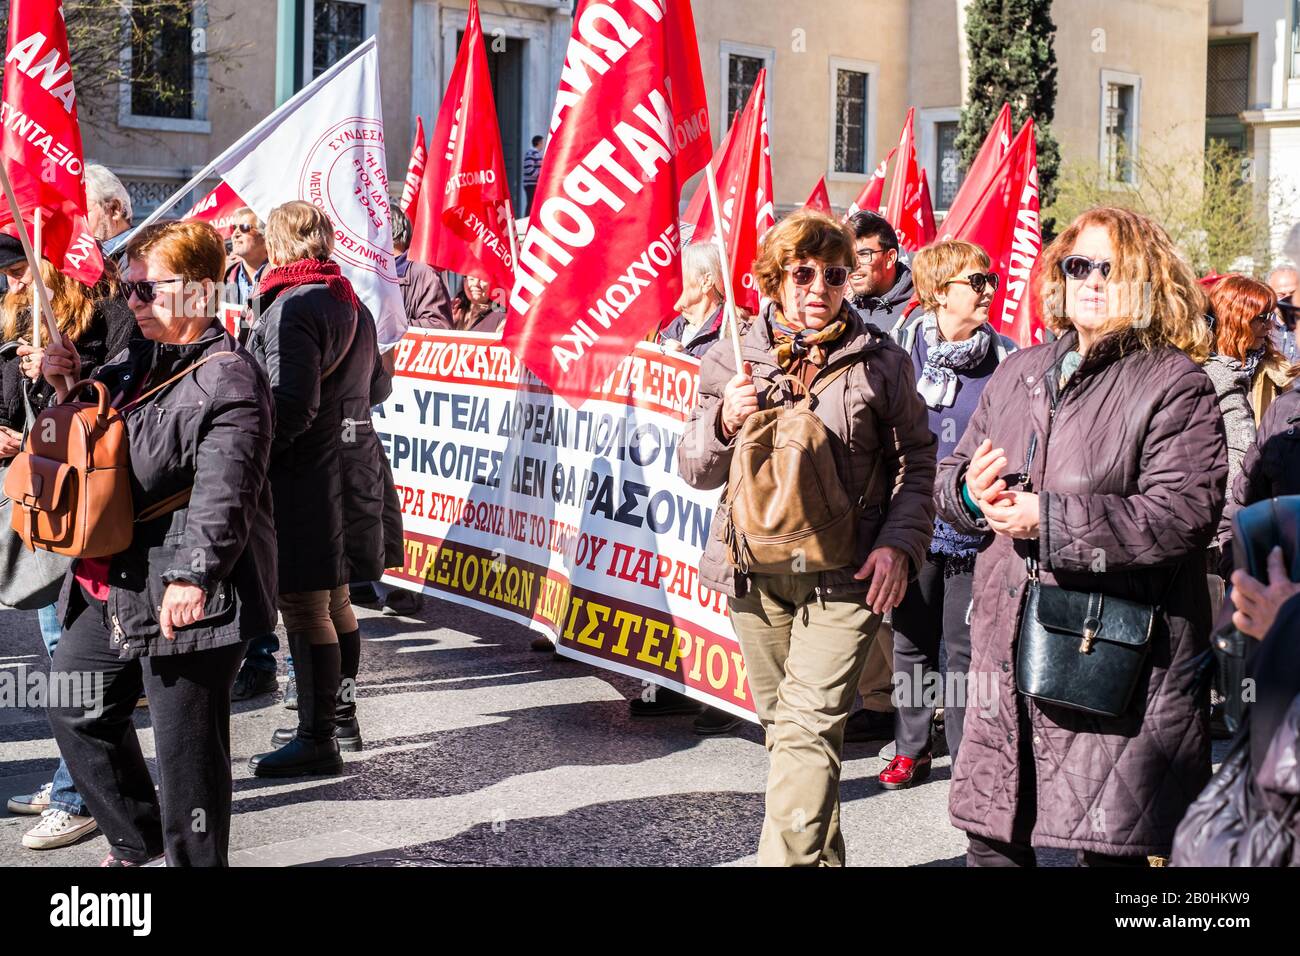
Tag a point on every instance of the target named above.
point(789, 510)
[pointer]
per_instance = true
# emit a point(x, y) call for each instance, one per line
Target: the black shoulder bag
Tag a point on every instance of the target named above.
point(1078, 649)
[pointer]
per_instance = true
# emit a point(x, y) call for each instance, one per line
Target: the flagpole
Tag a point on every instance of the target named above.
point(730, 302)
point(37, 278)
point(40, 302)
point(276, 116)
point(514, 240)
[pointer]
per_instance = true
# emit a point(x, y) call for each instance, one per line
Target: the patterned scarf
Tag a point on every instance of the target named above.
point(1253, 358)
point(944, 359)
point(796, 344)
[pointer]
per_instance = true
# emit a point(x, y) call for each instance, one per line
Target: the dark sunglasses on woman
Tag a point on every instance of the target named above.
point(977, 281)
point(146, 290)
point(835, 276)
point(1080, 267)
point(243, 227)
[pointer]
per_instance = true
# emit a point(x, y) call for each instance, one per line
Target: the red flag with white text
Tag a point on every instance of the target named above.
point(218, 209)
point(903, 209)
point(991, 151)
point(414, 170)
point(928, 229)
point(869, 199)
point(600, 264)
point(820, 198)
point(461, 220)
point(41, 139)
point(744, 175)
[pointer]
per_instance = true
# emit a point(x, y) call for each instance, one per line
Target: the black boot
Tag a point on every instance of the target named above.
point(313, 749)
point(347, 730)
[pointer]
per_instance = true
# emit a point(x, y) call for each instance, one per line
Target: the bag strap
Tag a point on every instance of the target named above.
point(347, 347)
point(175, 378)
point(165, 507)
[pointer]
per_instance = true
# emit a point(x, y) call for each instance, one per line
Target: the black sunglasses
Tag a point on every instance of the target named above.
point(835, 276)
point(146, 290)
point(243, 227)
point(1080, 267)
point(977, 281)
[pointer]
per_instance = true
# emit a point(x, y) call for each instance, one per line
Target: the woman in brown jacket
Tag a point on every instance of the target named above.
point(805, 635)
point(1116, 430)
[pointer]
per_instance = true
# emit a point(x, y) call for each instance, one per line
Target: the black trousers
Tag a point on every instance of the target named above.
point(935, 608)
point(189, 707)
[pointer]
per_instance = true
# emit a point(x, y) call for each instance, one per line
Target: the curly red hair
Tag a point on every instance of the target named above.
point(1236, 301)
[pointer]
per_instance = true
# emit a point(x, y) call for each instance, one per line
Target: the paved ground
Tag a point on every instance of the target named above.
point(482, 752)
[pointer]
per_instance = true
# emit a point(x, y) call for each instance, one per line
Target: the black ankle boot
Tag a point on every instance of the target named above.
point(313, 749)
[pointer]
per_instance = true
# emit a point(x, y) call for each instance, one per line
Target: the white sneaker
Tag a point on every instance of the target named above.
point(32, 803)
point(58, 828)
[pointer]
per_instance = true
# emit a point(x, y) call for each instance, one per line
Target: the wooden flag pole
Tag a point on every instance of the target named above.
point(730, 303)
point(514, 240)
point(41, 303)
point(37, 279)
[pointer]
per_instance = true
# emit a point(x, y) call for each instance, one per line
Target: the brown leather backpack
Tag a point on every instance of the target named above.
point(789, 510)
point(71, 483)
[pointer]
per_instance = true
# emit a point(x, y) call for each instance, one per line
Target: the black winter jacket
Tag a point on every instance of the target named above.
point(211, 431)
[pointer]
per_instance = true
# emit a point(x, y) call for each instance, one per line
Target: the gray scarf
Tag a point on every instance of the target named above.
point(943, 359)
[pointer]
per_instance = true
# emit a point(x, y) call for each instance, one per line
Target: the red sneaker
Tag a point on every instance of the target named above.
point(904, 772)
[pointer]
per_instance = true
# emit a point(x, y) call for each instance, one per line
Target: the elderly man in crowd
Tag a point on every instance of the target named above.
point(1283, 280)
point(108, 208)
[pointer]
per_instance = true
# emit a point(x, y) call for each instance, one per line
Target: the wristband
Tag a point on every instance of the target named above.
point(969, 502)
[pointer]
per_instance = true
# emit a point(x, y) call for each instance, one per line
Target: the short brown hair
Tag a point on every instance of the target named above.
point(192, 249)
point(298, 230)
point(939, 263)
point(801, 235)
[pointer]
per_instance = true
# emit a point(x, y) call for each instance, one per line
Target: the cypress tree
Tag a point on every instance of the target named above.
point(1012, 60)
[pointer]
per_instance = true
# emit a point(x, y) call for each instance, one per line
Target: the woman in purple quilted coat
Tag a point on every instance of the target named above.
point(1128, 474)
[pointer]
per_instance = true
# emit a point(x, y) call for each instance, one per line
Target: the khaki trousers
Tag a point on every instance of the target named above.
point(877, 682)
point(804, 656)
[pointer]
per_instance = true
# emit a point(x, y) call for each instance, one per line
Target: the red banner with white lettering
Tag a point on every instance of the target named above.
point(982, 168)
point(928, 230)
point(41, 139)
point(743, 167)
point(904, 207)
point(869, 199)
point(819, 198)
point(218, 209)
point(462, 218)
point(1003, 219)
point(600, 264)
point(414, 170)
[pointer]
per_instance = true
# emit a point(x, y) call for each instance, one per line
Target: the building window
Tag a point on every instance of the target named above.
point(162, 61)
point(338, 28)
point(951, 174)
point(742, 71)
point(851, 88)
point(1227, 78)
point(1121, 98)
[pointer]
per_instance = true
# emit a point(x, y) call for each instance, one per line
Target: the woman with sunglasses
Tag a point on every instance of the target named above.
point(1245, 311)
point(805, 636)
point(1099, 461)
point(169, 614)
point(954, 352)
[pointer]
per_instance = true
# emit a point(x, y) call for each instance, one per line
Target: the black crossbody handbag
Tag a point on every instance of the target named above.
point(1079, 649)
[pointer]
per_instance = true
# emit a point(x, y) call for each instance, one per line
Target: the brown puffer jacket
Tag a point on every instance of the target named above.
point(1131, 480)
point(882, 429)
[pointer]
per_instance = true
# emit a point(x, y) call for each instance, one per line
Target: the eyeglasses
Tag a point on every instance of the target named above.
point(1266, 317)
point(243, 227)
point(866, 255)
point(835, 276)
point(1081, 267)
point(977, 281)
point(146, 290)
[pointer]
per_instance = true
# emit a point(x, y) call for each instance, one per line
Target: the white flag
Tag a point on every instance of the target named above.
point(326, 145)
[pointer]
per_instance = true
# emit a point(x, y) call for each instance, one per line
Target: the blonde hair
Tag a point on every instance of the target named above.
point(801, 235)
point(298, 230)
point(72, 302)
point(1162, 303)
point(939, 263)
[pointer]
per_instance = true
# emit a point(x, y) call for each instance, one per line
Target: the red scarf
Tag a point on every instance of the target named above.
point(307, 272)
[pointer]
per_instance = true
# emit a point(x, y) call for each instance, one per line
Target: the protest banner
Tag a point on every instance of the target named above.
point(820, 198)
point(218, 209)
point(40, 140)
point(905, 207)
point(600, 264)
point(572, 522)
point(982, 169)
point(869, 199)
point(414, 170)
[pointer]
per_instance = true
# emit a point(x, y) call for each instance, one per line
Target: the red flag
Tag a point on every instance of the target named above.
point(699, 210)
point(601, 262)
point(744, 175)
point(1003, 220)
point(869, 198)
point(904, 207)
point(218, 209)
point(928, 230)
point(41, 139)
point(414, 170)
point(461, 220)
point(985, 165)
point(820, 198)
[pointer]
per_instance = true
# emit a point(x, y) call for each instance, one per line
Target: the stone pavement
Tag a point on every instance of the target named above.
point(479, 751)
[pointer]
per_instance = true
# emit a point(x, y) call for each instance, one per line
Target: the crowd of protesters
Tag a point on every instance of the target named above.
point(1168, 409)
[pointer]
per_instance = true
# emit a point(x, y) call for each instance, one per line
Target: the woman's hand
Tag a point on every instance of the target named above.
point(1014, 514)
point(182, 605)
point(11, 442)
point(982, 479)
point(30, 361)
point(1257, 604)
point(61, 366)
point(887, 567)
point(739, 401)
